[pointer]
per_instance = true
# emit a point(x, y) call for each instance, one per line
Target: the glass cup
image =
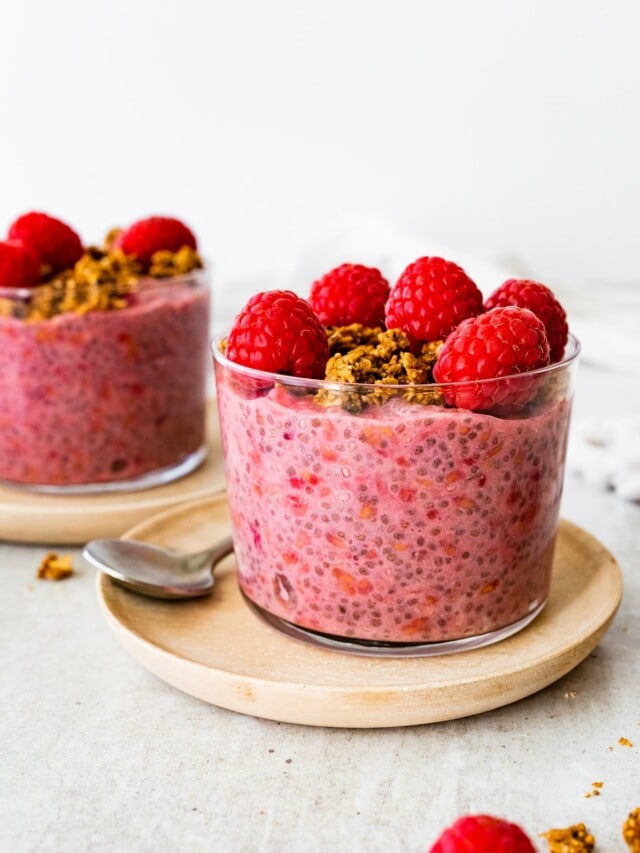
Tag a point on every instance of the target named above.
point(105, 400)
point(394, 528)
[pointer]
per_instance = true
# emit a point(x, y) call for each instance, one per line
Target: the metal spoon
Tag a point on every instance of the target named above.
point(154, 571)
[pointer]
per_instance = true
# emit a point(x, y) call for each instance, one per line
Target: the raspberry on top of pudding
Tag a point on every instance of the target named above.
point(437, 331)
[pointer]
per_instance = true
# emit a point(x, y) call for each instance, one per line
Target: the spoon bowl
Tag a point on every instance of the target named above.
point(154, 571)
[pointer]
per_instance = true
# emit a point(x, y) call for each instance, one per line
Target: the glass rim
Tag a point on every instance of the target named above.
point(572, 351)
point(24, 293)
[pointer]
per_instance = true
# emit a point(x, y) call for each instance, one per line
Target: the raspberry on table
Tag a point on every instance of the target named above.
point(432, 297)
point(500, 343)
point(19, 265)
point(278, 332)
point(541, 300)
point(56, 243)
point(350, 293)
point(483, 834)
point(155, 234)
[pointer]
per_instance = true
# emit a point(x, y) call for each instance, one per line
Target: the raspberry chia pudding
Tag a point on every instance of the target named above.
point(104, 364)
point(384, 508)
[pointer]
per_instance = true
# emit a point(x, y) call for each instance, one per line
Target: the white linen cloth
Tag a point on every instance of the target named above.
point(606, 452)
point(606, 320)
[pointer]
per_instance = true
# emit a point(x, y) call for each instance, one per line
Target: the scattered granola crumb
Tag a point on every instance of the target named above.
point(587, 795)
point(596, 792)
point(55, 568)
point(631, 831)
point(623, 741)
point(597, 784)
point(573, 839)
point(571, 694)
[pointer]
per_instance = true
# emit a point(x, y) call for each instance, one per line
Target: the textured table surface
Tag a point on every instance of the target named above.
point(97, 754)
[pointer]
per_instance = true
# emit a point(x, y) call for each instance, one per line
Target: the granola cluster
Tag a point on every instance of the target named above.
point(573, 839)
point(631, 831)
point(381, 361)
point(55, 568)
point(101, 280)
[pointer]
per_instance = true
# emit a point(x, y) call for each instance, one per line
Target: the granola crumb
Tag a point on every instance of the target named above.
point(573, 839)
point(430, 352)
point(623, 741)
point(111, 237)
point(55, 568)
point(342, 339)
point(571, 694)
point(165, 264)
point(554, 387)
point(597, 784)
point(384, 360)
point(631, 831)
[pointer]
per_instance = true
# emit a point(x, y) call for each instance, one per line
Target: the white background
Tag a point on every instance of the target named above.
point(508, 128)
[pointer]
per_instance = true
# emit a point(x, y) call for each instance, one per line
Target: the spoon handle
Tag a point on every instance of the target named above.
point(210, 556)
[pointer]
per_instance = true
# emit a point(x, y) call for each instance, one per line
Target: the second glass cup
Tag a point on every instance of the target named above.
point(103, 400)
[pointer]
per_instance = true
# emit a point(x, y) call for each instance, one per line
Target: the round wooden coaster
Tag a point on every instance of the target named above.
point(220, 651)
point(74, 519)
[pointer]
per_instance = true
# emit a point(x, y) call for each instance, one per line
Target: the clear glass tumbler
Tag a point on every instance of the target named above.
point(107, 399)
point(398, 528)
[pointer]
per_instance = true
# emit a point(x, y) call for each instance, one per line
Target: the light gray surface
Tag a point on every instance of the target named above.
point(97, 754)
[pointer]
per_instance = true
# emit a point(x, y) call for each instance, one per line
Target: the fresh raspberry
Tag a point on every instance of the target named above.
point(19, 265)
point(155, 234)
point(277, 331)
point(350, 293)
point(432, 297)
point(539, 299)
point(483, 834)
point(502, 342)
point(56, 244)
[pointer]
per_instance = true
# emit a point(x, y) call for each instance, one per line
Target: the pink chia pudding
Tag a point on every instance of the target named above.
point(105, 396)
point(402, 523)
point(103, 355)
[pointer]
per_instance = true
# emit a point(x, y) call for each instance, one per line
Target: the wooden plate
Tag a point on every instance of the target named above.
point(74, 519)
point(220, 651)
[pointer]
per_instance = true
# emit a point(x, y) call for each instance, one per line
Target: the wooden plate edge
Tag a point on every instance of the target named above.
point(317, 705)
